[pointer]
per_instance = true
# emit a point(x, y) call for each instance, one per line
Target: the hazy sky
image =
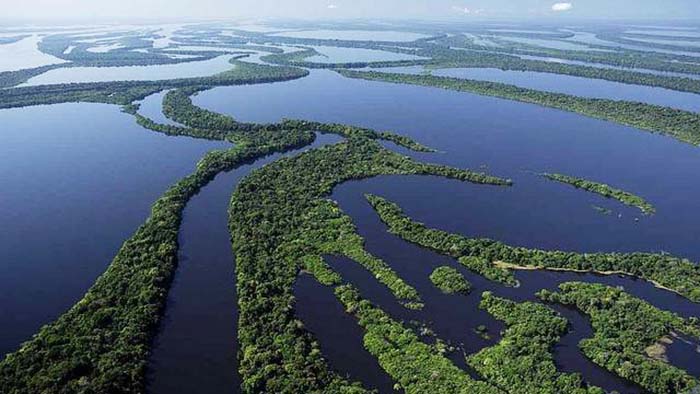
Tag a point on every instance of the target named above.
point(339, 9)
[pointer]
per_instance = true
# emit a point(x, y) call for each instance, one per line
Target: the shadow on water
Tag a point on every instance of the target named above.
point(196, 349)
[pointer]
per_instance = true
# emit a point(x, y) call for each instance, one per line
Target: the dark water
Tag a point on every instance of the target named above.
point(569, 359)
point(685, 351)
point(505, 138)
point(584, 87)
point(78, 180)
point(339, 335)
point(196, 349)
point(455, 317)
point(509, 139)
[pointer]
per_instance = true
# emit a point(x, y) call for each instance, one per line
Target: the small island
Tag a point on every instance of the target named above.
point(450, 281)
point(605, 191)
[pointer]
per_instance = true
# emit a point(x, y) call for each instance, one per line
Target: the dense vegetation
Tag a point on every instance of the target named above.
point(502, 61)
point(442, 54)
point(605, 191)
point(417, 367)
point(488, 270)
point(450, 281)
point(177, 105)
point(522, 361)
point(624, 327)
point(682, 125)
point(676, 274)
point(102, 344)
point(651, 36)
point(398, 139)
point(280, 223)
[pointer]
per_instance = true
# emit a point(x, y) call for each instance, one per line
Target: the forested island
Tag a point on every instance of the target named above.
point(450, 281)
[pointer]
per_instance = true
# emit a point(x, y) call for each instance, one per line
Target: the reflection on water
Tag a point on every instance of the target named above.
point(116, 170)
point(340, 337)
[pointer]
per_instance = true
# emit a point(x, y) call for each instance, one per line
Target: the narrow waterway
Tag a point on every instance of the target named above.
point(196, 349)
point(454, 317)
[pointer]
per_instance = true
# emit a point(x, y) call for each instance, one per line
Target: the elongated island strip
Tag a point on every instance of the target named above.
point(417, 367)
point(679, 124)
point(623, 58)
point(494, 259)
point(604, 190)
point(281, 222)
point(126, 92)
point(436, 56)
